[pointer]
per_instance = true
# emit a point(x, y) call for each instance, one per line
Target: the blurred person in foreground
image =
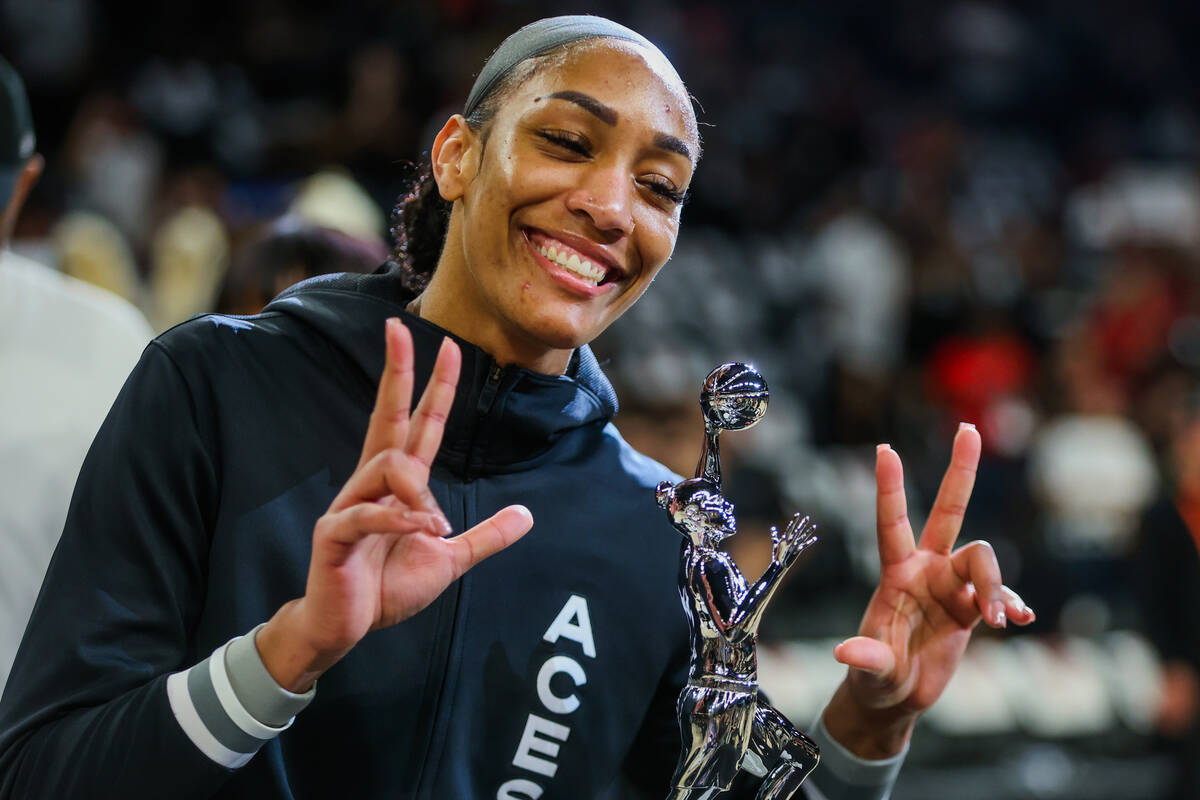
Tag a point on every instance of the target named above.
point(65, 349)
point(255, 480)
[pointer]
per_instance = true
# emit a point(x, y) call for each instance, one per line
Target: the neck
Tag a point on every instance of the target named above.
point(448, 302)
point(500, 341)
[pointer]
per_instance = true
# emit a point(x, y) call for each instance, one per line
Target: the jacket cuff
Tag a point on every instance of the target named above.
point(266, 700)
point(222, 722)
point(842, 775)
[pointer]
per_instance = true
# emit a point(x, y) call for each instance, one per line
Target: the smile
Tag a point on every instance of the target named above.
point(579, 265)
point(571, 262)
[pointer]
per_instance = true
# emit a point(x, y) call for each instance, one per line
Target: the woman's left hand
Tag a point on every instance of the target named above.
point(919, 620)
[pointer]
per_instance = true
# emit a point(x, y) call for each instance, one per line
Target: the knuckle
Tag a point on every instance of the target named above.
point(954, 508)
point(435, 415)
point(323, 526)
point(396, 460)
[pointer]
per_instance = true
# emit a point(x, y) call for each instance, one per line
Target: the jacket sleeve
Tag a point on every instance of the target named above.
point(86, 711)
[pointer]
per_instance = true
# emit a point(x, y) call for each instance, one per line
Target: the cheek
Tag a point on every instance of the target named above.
point(657, 241)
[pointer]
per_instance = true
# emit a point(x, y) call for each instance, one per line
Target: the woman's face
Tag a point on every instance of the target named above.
point(570, 205)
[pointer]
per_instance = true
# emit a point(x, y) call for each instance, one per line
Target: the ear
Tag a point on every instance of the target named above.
point(455, 155)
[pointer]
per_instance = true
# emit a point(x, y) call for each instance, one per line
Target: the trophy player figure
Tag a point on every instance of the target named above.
point(725, 725)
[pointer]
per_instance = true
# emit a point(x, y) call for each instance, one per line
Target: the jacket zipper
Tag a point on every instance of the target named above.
point(487, 396)
point(435, 740)
point(483, 409)
point(428, 774)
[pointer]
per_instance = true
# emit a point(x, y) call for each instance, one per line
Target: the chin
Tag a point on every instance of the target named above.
point(559, 333)
point(564, 339)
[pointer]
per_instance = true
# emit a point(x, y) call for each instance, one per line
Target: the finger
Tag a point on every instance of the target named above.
point(867, 654)
point(891, 508)
point(392, 472)
point(388, 426)
point(491, 536)
point(945, 520)
point(1018, 611)
point(353, 524)
point(976, 563)
point(429, 421)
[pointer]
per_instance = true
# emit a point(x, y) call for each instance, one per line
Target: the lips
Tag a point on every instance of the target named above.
point(581, 258)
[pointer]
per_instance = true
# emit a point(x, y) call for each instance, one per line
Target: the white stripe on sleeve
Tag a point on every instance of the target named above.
point(188, 718)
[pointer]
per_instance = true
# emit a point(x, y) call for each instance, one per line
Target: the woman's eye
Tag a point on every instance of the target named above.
point(567, 141)
point(664, 189)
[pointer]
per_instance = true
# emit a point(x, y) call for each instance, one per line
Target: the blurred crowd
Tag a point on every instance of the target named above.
point(907, 215)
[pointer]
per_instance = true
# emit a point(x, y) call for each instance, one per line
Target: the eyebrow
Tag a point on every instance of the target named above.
point(609, 116)
point(590, 104)
point(666, 141)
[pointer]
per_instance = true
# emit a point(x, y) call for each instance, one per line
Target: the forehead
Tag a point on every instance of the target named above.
point(640, 84)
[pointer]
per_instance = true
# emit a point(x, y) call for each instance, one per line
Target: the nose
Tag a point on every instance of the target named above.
point(606, 198)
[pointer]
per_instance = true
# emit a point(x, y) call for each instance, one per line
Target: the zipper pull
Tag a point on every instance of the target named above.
point(488, 395)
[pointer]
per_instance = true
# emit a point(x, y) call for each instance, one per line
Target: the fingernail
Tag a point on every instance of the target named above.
point(444, 524)
point(999, 619)
point(966, 426)
point(391, 323)
point(879, 448)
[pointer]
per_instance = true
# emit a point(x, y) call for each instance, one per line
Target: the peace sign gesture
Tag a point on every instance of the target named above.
point(383, 551)
point(919, 620)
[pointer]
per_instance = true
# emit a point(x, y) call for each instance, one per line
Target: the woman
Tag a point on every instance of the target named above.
point(549, 669)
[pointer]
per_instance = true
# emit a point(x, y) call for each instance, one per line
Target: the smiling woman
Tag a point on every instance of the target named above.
point(269, 478)
point(565, 202)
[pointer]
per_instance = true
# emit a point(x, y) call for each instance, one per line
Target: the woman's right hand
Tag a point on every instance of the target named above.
point(383, 551)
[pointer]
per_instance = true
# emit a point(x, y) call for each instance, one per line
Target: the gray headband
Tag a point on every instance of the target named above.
point(541, 37)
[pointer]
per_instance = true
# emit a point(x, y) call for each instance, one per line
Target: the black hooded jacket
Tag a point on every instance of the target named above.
point(191, 523)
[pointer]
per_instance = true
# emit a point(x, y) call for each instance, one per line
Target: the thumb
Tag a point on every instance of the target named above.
point(491, 536)
point(867, 654)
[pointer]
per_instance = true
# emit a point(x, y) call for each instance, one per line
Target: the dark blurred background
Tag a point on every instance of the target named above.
point(908, 214)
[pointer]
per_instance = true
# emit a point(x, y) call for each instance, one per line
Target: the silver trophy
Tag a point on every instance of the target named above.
point(726, 726)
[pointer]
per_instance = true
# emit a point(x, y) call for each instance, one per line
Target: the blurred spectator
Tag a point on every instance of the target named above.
point(289, 253)
point(114, 163)
point(93, 250)
point(1094, 475)
point(65, 349)
point(1168, 569)
point(332, 199)
point(190, 253)
point(986, 379)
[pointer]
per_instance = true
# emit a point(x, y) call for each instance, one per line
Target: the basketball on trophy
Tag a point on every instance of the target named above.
point(734, 397)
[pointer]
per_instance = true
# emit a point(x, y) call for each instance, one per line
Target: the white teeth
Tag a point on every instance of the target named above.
point(573, 263)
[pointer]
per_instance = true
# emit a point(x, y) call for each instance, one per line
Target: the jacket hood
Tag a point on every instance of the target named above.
point(503, 419)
